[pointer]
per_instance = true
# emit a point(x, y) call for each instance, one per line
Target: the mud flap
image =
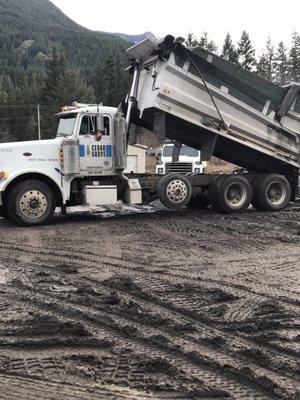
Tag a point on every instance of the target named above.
point(133, 133)
point(208, 147)
point(159, 126)
point(176, 151)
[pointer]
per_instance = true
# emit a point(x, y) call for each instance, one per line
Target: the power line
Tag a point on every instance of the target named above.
point(28, 106)
point(18, 126)
point(16, 118)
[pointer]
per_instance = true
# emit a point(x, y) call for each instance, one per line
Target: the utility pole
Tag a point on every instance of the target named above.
point(39, 122)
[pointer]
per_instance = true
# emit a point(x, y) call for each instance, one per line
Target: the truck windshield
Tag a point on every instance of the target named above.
point(185, 151)
point(66, 125)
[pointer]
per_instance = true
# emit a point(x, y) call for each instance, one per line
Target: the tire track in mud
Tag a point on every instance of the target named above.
point(175, 312)
point(15, 388)
point(136, 273)
point(147, 342)
point(226, 361)
point(147, 301)
point(83, 258)
point(134, 267)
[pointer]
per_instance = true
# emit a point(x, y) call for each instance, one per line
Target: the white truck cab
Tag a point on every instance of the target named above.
point(82, 124)
point(188, 162)
point(83, 163)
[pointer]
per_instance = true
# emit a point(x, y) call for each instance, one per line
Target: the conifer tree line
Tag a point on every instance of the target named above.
point(61, 83)
point(280, 64)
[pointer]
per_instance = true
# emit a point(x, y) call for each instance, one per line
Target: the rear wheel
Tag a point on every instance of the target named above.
point(230, 193)
point(31, 202)
point(271, 192)
point(174, 191)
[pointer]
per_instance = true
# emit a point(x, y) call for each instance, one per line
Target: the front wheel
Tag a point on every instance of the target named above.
point(174, 191)
point(31, 202)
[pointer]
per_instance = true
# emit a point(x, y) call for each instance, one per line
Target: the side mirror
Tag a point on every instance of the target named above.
point(100, 123)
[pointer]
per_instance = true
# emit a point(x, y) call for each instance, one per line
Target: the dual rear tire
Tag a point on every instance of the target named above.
point(228, 193)
point(272, 192)
point(234, 193)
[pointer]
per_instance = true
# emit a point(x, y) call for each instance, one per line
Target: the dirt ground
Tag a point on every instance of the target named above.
point(157, 305)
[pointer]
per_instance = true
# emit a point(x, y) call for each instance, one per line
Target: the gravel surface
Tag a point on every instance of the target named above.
point(147, 304)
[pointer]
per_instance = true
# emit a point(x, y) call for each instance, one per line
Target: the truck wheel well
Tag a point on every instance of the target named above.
point(40, 177)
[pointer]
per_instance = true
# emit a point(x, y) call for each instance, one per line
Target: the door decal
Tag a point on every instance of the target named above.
point(81, 150)
point(108, 150)
point(95, 150)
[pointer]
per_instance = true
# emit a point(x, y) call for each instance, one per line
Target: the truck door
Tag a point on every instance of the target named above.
point(96, 156)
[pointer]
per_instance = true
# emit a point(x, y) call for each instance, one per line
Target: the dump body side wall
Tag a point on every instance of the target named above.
point(255, 140)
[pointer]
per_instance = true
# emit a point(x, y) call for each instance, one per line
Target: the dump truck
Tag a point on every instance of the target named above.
point(193, 98)
point(196, 98)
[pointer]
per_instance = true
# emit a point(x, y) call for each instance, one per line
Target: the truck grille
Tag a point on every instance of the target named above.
point(179, 167)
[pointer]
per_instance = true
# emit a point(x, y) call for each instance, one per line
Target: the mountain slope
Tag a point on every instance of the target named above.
point(135, 38)
point(29, 29)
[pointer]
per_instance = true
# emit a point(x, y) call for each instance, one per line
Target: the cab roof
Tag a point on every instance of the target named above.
point(87, 109)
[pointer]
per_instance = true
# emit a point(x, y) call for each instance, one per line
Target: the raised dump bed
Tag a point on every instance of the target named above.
point(206, 102)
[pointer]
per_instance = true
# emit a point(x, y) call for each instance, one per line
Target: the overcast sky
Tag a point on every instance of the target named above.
point(261, 18)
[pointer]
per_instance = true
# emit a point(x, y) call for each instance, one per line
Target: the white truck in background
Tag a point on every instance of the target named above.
point(189, 160)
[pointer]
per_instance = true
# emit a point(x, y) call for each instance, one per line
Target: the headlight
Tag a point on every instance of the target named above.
point(3, 175)
point(197, 170)
point(160, 170)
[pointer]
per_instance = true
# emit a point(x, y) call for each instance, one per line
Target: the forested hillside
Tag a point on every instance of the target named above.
point(35, 38)
point(30, 29)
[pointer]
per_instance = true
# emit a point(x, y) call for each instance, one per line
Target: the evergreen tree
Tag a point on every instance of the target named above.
point(262, 68)
point(64, 84)
point(104, 81)
point(71, 87)
point(281, 65)
point(191, 40)
point(266, 65)
point(270, 55)
point(294, 58)
point(122, 79)
point(246, 52)
point(111, 81)
point(206, 43)
point(58, 66)
point(6, 89)
point(229, 52)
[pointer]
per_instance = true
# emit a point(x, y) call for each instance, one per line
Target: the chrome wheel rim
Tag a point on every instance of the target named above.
point(177, 191)
point(236, 195)
point(33, 204)
point(276, 193)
